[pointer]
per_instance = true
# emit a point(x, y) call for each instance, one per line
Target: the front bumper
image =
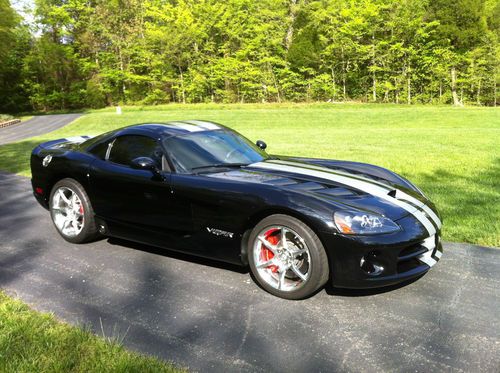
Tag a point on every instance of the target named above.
point(40, 197)
point(398, 257)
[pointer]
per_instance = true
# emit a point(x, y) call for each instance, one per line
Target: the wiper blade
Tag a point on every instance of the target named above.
point(220, 165)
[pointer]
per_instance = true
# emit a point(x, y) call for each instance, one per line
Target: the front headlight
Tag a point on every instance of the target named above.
point(358, 222)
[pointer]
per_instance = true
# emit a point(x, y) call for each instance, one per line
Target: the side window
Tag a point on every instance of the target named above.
point(100, 150)
point(127, 148)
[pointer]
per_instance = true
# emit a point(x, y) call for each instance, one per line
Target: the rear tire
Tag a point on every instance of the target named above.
point(71, 212)
point(287, 258)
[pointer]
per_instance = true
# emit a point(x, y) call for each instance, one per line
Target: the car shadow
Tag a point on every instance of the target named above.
point(178, 255)
point(329, 288)
point(343, 292)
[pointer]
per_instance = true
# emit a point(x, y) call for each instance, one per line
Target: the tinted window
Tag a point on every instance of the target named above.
point(201, 149)
point(89, 144)
point(127, 148)
point(100, 150)
point(96, 145)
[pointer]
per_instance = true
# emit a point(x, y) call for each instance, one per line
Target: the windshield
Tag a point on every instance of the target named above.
point(199, 150)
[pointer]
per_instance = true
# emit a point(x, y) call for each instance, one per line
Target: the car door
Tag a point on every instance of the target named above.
point(132, 202)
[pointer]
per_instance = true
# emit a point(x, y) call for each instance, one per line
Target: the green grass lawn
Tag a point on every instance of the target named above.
point(36, 342)
point(452, 154)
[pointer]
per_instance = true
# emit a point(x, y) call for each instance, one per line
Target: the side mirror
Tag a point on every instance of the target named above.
point(146, 163)
point(261, 144)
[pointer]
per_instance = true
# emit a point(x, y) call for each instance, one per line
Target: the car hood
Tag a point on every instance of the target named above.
point(340, 187)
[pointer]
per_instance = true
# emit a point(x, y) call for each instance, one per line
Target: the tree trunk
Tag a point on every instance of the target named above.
point(408, 84)
point(334, 86)
point(374, 77)
point(453, 73)
point(344, 73)
point(183, 93)
point(495, 94)
point(275, 83)
point(290, 30)
point(122, 69)
point(478, 100)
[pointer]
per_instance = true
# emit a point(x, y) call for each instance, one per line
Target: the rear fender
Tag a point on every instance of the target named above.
point(64, 141)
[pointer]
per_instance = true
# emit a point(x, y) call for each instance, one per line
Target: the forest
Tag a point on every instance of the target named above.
point(96, 53)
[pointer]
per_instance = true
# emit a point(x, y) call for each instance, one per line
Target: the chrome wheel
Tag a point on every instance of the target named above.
point(282, 258)
point(67, 212)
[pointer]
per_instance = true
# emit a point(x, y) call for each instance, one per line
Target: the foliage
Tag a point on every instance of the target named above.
point(99, 53)
point(451, 153)
point(36, 342)
point(5, 117)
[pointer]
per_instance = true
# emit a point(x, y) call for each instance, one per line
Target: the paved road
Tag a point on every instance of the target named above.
point(35, 126)
point(212, 317)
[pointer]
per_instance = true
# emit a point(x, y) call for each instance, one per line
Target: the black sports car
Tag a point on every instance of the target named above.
point(201, 188)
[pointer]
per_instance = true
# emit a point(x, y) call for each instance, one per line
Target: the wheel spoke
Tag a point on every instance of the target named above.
point(67, 212)
point(64, 198)
point(269, 245)
point(298, 273)
point(76, 208)
point(299, 252)
point(283, 242)
point(291, 256)
point(281, 279)
point(65, 225)
point(265, 264)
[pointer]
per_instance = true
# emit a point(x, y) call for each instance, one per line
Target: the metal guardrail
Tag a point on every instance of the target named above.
point(9, 123)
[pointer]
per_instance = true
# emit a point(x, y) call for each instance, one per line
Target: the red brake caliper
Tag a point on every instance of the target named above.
point(265, 254)
point(81, 209)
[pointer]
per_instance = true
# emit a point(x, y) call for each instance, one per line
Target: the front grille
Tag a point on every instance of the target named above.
point(408, 265)
point(412, 252)
point(417, 255)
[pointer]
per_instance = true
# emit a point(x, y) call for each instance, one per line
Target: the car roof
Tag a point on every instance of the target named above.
point(176, 128)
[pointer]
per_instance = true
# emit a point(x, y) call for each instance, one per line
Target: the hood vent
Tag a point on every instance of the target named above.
point(311, 186)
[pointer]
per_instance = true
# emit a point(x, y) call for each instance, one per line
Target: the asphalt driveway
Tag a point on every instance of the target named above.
point(35, 126)
point(213, 317)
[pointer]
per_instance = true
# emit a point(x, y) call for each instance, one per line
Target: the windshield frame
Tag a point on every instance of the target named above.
point(178, 168)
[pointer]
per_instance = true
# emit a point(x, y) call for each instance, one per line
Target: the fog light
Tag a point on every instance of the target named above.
point(369, 264)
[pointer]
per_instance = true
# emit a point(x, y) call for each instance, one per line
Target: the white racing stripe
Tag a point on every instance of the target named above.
point(375, 189)
point(427, 259)
point(399, 193)
point(205, 125)
point(430, 244)
point(403, 196)
point(76, 139)
point(188, 127)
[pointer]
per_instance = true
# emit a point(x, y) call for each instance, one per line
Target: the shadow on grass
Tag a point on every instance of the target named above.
point(470, 203)
point(15, 157)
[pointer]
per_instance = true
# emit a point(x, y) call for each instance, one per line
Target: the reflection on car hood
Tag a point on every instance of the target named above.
point(353, 190)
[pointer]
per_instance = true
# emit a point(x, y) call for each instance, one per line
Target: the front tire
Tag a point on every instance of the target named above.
point(71, 212)
point(287, 258)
